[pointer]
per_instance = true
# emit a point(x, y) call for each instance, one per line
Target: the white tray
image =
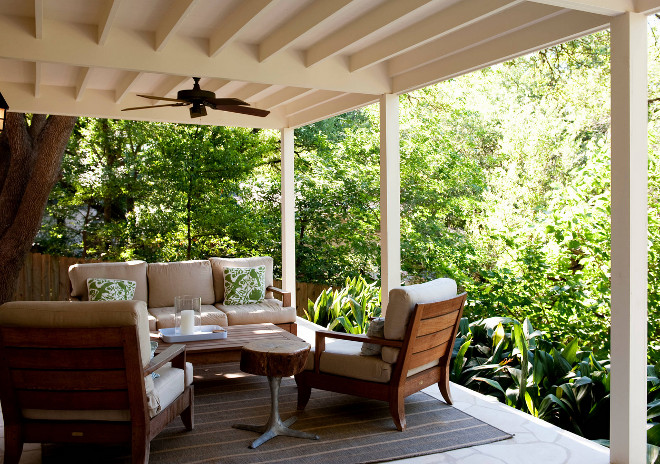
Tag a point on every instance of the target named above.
point(205, 333)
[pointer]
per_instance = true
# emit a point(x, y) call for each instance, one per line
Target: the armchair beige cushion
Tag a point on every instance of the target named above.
point(218, 265)
point(402, 301)
point(168, 280)
point(131, 270)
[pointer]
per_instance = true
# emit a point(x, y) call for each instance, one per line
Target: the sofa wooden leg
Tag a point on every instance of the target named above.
point(398, 411)
point(13, 444)
point(304, 392)
point(187, 415)
point(443, 385)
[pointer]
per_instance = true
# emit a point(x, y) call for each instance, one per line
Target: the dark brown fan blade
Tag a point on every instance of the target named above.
point(226, 101)
point(243, 109)
point(161, 98)
point(153, 106)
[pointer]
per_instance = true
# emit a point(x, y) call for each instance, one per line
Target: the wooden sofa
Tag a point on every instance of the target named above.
point(159, 283)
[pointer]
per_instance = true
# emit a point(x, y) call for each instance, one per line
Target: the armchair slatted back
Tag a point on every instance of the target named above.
point(430, 335)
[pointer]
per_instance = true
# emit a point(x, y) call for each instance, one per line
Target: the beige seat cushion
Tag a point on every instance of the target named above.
point(402, 301)
point(218, 265)
point(86, 314)
point(168, 387)
point(168, 280)
point(342, 357)
point(164, 317)
point(131, 270)
point(269, 310)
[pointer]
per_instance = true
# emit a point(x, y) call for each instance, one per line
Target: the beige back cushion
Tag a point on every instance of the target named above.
point(218, 265)
point(86, 314)
point(168, 280)
point(401, 304)
point(131, 270)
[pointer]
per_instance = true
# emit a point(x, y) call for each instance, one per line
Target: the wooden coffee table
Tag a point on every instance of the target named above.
point(229, 349)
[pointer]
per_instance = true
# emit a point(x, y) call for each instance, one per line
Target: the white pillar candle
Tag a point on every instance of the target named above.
point(187, 322)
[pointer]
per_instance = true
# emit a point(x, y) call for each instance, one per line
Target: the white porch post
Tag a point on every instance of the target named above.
point(390, 186)
point(629, 239)
point(288, 216)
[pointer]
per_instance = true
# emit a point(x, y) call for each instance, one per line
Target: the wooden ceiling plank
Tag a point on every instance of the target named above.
point(83, 82)
point(343, 104)
point(282, 97)
point(311, 16)
point(505, 22)
point(647, 6)
point(603, 7)
point(459, 15)
point(234, 23)
point(38, 74)
point(360, 28)
point(107, 20)
point(172, 21)
point(171, 84)
point(127, 82)
point(251, 90)
point(39, 19)
point(558, 29)
point(314, 99)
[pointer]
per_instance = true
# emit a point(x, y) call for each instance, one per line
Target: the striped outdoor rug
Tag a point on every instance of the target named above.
point(352, 430)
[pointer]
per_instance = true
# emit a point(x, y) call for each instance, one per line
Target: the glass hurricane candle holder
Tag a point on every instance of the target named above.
point(188, 314)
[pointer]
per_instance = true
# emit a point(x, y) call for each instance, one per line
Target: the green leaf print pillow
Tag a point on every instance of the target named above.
point(110, 289)
point(244, 285)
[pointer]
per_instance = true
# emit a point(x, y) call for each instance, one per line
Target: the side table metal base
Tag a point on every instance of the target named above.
point(274, 426)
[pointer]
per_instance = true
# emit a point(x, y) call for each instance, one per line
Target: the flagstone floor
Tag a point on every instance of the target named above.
point(534, 441)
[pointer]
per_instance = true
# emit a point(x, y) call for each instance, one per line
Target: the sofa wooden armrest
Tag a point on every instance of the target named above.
point(174, 353)
point(286, 296)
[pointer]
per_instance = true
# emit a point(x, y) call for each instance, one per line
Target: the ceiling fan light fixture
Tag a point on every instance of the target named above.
point(197, 110)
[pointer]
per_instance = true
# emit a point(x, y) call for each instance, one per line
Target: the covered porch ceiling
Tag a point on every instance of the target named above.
point(304, 60)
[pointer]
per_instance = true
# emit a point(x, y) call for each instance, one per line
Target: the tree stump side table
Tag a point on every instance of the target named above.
point(274, 359)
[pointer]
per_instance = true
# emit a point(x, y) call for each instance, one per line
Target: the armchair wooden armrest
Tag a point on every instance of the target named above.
point(174, 353)
point(321, 335)
point(286, 296)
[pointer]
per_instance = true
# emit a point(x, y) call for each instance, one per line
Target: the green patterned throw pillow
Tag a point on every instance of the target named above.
point(244, 285)
point(110, 289)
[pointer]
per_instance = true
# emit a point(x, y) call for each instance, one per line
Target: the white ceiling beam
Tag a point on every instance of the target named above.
point(311, 16)
point(83, 82)
point(172, 21)
point(101, 104)
point(282, 97)
point(170, 84)
point(360, 28)
point(125, 85)
point(215, 85)
point(343, 104)
point(459, 15)
point(39, 19)
point(558, 29)
point(647, 6)
point(234, 23)
point(477, 34)
point(249, 91)
point(603, 7)
point(312, 100)
point(38, 74)
point(182, 57)
point(110, 10)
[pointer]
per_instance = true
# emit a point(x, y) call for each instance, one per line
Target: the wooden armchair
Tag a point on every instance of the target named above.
point(419, 359)
point(80, 372)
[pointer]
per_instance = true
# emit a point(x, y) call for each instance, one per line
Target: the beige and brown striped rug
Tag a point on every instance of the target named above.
point(352, 430)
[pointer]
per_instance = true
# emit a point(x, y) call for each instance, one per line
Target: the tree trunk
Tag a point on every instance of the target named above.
point(30, 160)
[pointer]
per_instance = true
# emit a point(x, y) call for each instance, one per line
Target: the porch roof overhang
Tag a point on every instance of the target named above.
point(304, 60)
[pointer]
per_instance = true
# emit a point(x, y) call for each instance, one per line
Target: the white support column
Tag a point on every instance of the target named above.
point(629, 239)
point(288, 216)
point(390, 197)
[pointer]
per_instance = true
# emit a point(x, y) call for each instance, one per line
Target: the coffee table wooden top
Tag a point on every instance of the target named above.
point(229, 349)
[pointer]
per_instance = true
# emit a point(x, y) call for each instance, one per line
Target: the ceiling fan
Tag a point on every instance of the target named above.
point(200, 99)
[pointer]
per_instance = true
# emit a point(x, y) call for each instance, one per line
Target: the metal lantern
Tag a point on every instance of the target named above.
point(3, 112)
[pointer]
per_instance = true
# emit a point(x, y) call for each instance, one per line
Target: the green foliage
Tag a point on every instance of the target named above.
point(347, 309)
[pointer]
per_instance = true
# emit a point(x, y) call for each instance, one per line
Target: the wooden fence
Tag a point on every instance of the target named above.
point(45, 278)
